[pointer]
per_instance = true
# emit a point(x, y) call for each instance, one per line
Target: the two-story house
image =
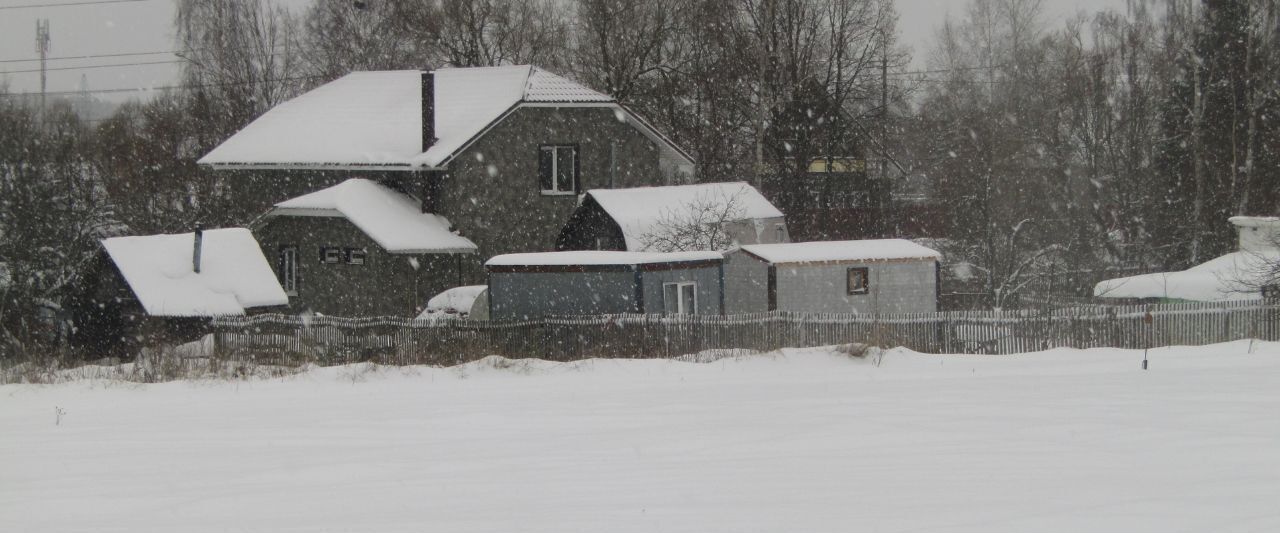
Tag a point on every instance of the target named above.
point(501, 153)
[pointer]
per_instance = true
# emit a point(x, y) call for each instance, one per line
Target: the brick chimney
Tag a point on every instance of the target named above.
point(428, 110)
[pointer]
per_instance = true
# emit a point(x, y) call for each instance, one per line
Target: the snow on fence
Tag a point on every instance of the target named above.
point(290, 340)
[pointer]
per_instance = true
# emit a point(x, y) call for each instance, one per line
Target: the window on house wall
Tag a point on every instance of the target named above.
point(858, 280)
point(680, 298)
point(356, 256)
point(781, 231)
point(331, 255)
point(558, 169)
point(288, 270)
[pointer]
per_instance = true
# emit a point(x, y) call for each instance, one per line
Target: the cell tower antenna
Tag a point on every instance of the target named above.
point(42, 48)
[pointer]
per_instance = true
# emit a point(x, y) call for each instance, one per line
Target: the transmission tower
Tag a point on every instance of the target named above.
point(42, 48)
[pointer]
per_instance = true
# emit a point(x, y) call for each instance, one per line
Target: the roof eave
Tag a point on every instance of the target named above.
point(388, 167)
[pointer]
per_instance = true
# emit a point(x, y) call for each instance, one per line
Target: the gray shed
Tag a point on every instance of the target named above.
point(870, 276)
point(525, 286)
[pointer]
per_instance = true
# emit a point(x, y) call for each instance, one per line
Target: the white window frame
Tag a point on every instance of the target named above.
point(356, 256)
point(680, 285)
point(555, 169)
point(289, 270)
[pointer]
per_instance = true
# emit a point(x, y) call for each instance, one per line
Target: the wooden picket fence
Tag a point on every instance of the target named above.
point(293, 340)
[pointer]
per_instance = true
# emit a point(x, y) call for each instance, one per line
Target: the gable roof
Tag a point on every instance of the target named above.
point(393, 220)
point(841, 251)
point(1234, 276)
point(642, 210)
point(374, 119)
point(233, 277)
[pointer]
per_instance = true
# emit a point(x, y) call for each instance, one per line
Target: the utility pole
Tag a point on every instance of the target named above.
point(42, 48)
point(880, 208)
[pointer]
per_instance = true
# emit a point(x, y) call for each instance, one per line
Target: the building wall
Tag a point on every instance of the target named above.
point(746, 284)
point(1259, 237)
point(385, 285)
point(590, 228)
point(758, 231)
point(708, 288)
point(529, 295)
point(491, 192)
point(893, 287)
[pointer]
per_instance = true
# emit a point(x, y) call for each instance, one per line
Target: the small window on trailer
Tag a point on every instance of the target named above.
point(680, 298)
point(858, 280)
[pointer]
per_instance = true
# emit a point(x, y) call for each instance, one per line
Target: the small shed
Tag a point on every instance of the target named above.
point(170, 285)
point(654, 218)
point(525, 286)
point(867, 276)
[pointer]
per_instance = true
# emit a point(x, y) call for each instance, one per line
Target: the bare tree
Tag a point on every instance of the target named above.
point(242, 59)
point(704, 223)
point(481, 33)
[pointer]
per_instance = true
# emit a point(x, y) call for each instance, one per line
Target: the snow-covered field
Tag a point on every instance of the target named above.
point(803, 440)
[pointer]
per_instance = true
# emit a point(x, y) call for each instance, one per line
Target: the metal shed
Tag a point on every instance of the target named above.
point(868, 276)
point(525, 286)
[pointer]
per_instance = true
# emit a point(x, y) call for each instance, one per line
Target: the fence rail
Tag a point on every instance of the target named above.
point(288, 339)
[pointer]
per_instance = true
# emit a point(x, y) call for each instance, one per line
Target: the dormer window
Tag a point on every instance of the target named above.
point(558, 169)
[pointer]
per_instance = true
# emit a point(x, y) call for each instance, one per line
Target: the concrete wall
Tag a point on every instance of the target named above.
point(893, 287)
point(746, 284)
point(707, 291)
point(1259, 235)
point(528, 295)
point(491, 192)
point(758, 231)
point(385, 285)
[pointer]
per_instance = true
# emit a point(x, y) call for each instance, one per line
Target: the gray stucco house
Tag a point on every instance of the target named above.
point(526, 286)
point(662, 218)
point(360, 248)
point(501, 152)
point(869, 277)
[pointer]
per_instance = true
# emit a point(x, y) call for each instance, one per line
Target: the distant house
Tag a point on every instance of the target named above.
point(501, 152)
point(170, 285)
point(652, 218)
point(1247, 274)
point(359, 248)
point(525, 286)
point(871, 276)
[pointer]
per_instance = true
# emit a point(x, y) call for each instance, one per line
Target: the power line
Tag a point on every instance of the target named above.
point(94, 56)
point(68, 4)
point(165, 87)
point(86, 67)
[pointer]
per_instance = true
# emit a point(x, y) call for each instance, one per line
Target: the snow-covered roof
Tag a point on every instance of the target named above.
point(392, 219)
point(594, 257)
point(642, 210)
point(375, 118)
point(1255, 221)
point(233, 277)
point(455, 301)
point(1235, 276)
point(830, 251)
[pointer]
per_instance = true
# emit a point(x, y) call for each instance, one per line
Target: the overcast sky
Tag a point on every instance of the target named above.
point(133, 26)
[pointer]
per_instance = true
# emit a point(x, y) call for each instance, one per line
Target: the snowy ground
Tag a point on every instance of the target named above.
point(806, 440)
